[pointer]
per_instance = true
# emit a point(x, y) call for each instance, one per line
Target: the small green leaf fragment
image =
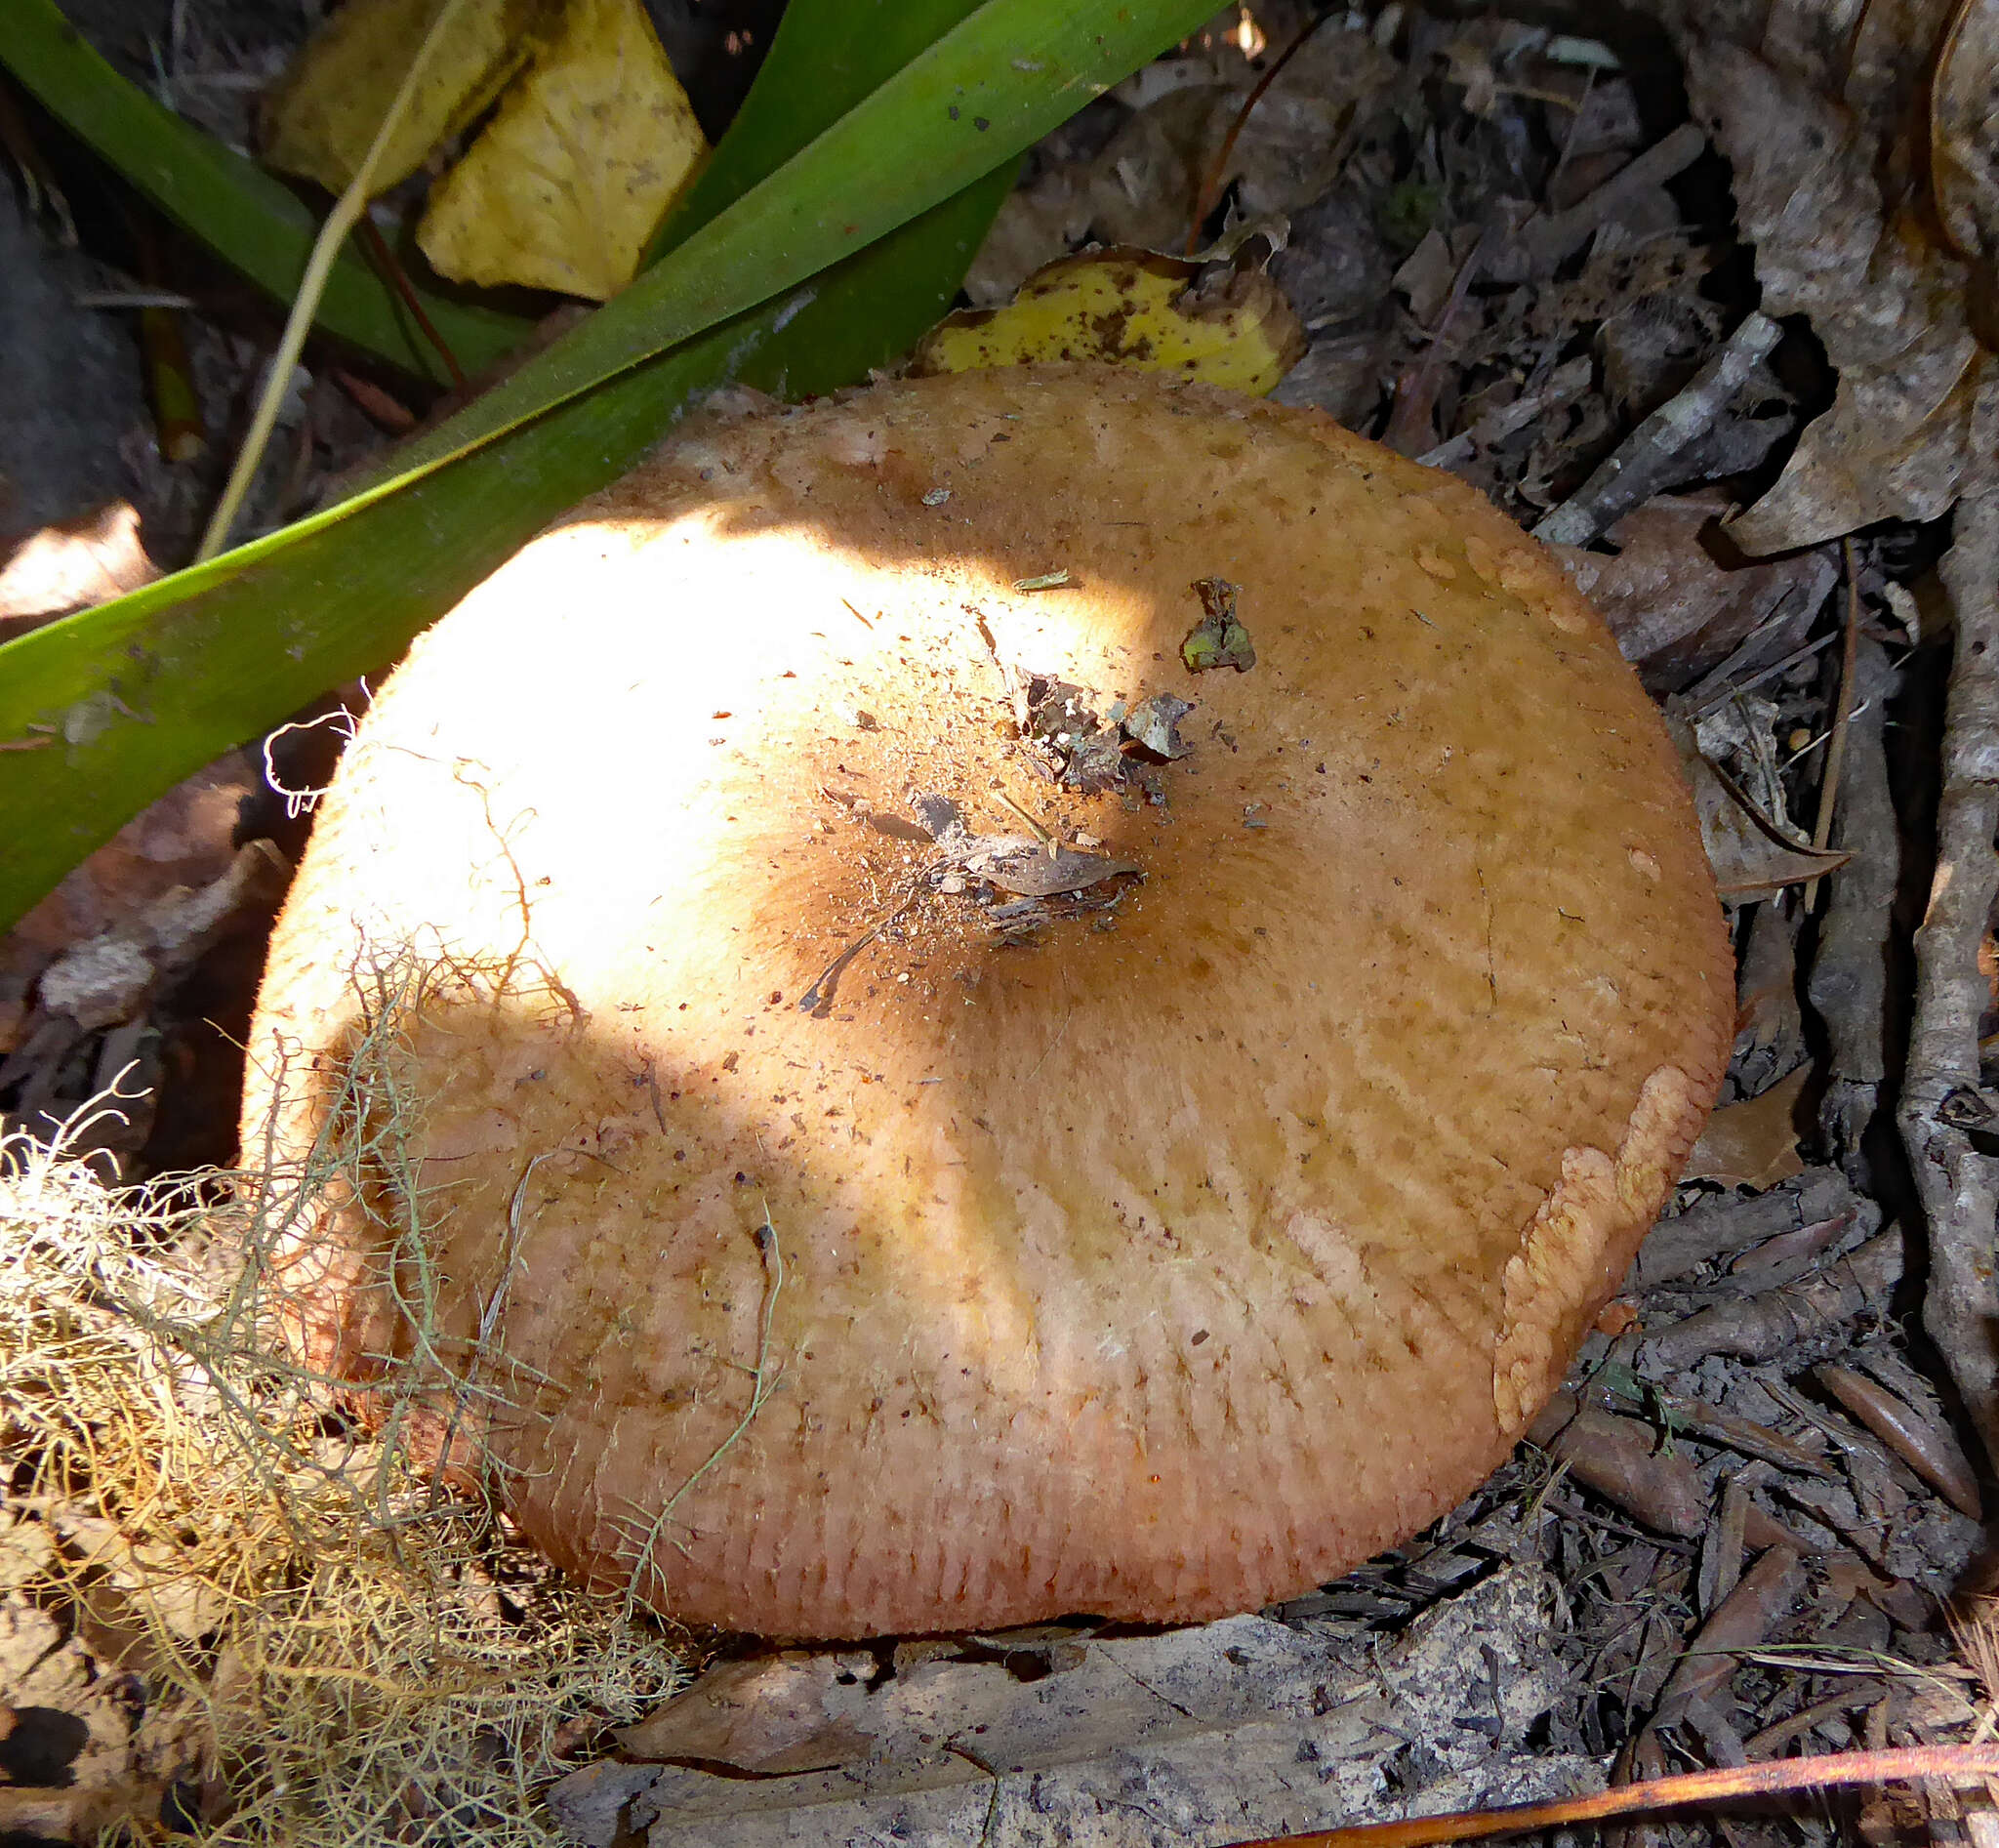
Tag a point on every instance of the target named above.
point(1410, 210)
point(1218, 639)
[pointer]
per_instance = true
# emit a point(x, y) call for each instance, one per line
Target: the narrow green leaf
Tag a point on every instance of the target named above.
point(251, 220)
point(975, 99)
point(820, 65)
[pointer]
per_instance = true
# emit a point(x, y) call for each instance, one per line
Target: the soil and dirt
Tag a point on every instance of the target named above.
point(1751, 1527)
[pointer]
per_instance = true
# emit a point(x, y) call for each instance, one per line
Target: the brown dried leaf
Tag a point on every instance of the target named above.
point(1750, 859)
point(770, 1714)
point(1675, 611)
point(1291, 148)
point(1753, 1144)
point(1623, 1460)
point(75, 565)
point(1750, 1612)
point(1889, 306)
point(1915, 1434)
point(1768, 1016)
point(1026, 867)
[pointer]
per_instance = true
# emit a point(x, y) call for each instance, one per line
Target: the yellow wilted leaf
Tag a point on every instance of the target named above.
point(322, 120)
point(1131, 308)
point(587, 150)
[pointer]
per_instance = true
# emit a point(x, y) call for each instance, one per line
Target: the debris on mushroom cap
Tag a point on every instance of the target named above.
point(1159, 1259)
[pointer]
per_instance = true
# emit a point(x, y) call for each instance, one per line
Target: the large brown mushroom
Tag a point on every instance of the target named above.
point(867, 1127)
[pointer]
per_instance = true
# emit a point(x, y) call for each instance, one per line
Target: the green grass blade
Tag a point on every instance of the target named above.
point(248, 218)
point(822, 60)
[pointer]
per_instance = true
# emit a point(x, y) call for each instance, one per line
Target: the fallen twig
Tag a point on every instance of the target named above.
point(1633, 474)
point(1415, 391)
point(1563, 385)
point(1959, 1187)
point(397, 278)
point(1544, 241)
point(1842, 717)
point(1758, 1327)
point(1849, 983)
point(1211, 188)
point(1760, 1599)
point(1832, 1772)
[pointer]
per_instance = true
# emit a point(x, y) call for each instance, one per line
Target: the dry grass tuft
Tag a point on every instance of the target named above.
point(335, 1649)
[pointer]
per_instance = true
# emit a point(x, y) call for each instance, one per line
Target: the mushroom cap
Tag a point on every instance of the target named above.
point(1157, 1256)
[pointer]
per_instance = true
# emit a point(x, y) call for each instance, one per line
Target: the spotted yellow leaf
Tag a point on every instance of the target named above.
point(322, 120)
point(1135, 307)
point(589, 146)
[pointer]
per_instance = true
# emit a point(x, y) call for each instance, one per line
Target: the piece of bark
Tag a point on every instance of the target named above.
point(1562, 386)
point(1788, 1256)
point(592, 1806)
point(1624, 1461)
point(1770, 1024)
point(1642, 463)
point(1750, 1612)
point(1834, 1508)
point(768, 1714)
point(1712, 1425)
point(1620, 1458)
point(1726, 1224)
point(1904, 1605)
point(1921, 1441)
point(1958, 1186)
point(184, 839)
point(1721, 1547)
point(1541, 245)
point(1239, 1728)
point(1771, 1741)
point(1759, 1328)
point(108, 978)
point(1701, 1717)
point(1870, 1466)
